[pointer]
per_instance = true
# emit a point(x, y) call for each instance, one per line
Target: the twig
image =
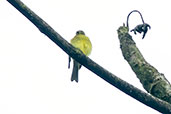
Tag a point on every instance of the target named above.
point(127, 22)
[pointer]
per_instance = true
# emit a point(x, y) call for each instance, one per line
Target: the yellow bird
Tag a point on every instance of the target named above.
point(83, 43)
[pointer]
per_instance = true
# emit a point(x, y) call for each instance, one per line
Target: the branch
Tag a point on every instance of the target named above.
point(153, 82)
point(150, 101)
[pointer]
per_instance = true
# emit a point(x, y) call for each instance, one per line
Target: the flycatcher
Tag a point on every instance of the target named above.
point(82, 42)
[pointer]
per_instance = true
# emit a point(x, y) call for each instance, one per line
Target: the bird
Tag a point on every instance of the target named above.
point(82, 42)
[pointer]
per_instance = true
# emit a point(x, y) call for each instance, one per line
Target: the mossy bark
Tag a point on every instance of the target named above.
point(153, 82)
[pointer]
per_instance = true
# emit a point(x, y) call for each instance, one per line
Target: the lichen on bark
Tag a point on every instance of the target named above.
point(153, 82)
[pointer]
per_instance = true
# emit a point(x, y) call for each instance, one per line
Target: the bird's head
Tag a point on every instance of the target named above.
point(80, 32)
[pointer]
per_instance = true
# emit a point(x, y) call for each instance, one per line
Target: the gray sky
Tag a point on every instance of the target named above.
point(34, 78)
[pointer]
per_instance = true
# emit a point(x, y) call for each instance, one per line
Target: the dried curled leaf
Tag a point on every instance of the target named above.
point(141, 28)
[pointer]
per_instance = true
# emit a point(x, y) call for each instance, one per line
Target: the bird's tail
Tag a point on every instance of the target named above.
point(76, 67)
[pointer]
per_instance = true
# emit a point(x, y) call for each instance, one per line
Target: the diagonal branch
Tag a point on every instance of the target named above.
point(127, 88)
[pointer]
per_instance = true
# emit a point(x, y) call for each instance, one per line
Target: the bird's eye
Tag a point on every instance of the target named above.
point(79, 32)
